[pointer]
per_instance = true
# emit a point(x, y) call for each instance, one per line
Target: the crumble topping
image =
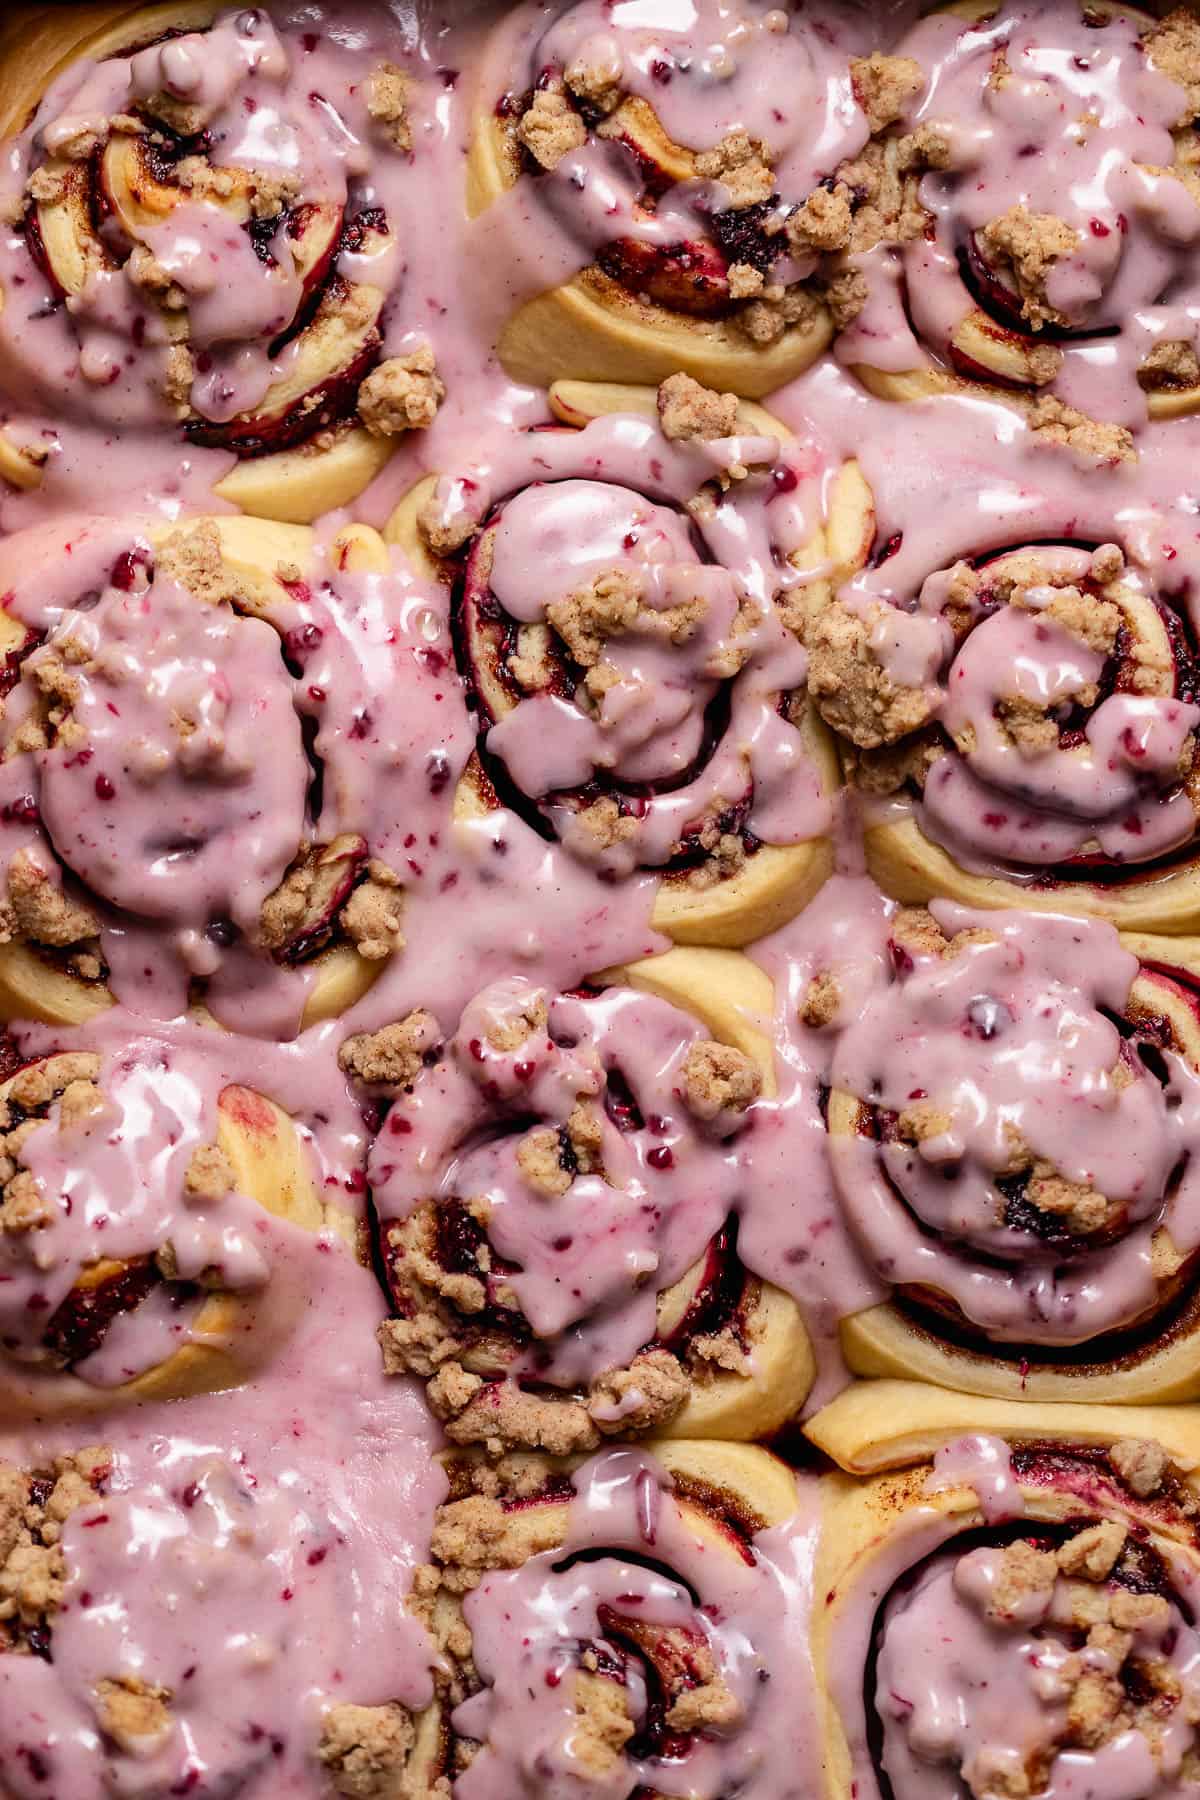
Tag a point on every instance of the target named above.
point(34, 1506)
point(777, 308)
point(393, 1056)
point(853, 692)
point(178, 376)
point(1141, 1463)
point(1091, 440)
point(604, 1726)
point(719, 1079)
point(209, 1173)
point(135, 1714)
point(387, 103)
point(742, 164)
point(597, 83)
point(607, 606)
point(885, 86)
point(1030, 245)
point(1170, 364)
point(366, 1750)
point(373, 915)
point(71, 1080)
point(551, 128)
point(39, 912)
point(822, 1001)
point(1173, 46)
point(402, 394)
point(688, 410)
point(444, 536)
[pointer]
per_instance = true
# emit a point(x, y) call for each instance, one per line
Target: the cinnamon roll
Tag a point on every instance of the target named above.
point(1028, 221)
point(1011, 1129)
point(163, 1613)
point(644, 703)
point(556, 1188)
point(1024, 725)
point(622, 1626)
point(149, 848)
point(1012, 1606)
point(645, 171)
point(202, 241)
point(139, 1261)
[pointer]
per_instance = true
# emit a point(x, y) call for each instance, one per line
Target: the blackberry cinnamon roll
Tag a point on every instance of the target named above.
point(1013, 1129)
point(619, 605)
point(1009, 1611)
point(204, 240)
point(1024, 725)
point(1028, 221)
point(149, 845)
point(138, 1256)
point(646, 171)
point(629, 1627)
point(557, 1187)
point(164, 1611)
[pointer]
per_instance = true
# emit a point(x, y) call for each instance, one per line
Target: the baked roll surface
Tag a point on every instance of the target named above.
point(1055, 282)
point(140, 1257)
point(1054, 1572)
point(185, 274)
point(1022, 726)
point(648, 1594)
point(556, 1190)
point(142, 825)
point(652, 714)
point(656, 202)
point(1004, 1121)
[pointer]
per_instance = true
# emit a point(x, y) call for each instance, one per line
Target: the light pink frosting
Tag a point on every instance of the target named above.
point(251, 1553)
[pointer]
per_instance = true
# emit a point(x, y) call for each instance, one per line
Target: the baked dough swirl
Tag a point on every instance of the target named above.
point(1028, 223)
point(1012, 1127)
point(1012, 1602)
point(644, 703)
point(134, 1263)
point(1025, 725)
point(556, 1187)
point(650, 1594)
point(654, 166)
point(146, 841)
point(202, 238)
